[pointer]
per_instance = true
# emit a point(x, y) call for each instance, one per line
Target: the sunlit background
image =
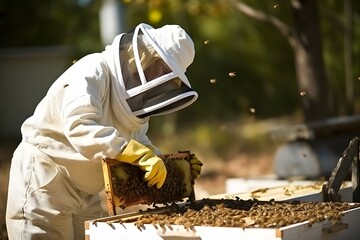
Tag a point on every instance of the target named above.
point(278, 81)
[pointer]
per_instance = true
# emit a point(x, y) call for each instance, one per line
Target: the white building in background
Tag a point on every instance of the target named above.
point(27, 73)
point(25, 76)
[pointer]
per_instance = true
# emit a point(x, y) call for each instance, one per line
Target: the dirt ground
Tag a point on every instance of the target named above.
point(6, 150)
point(211, 182)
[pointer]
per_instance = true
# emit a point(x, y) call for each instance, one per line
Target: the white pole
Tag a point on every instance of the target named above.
point(111, 20)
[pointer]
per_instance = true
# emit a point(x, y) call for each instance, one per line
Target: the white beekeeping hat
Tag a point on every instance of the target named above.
point(159, 58)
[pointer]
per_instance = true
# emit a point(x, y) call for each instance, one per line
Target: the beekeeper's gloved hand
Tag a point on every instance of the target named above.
point(196, 166)
point(139, 155)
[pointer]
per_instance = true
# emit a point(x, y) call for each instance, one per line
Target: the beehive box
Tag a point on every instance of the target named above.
point(124, 184)
point(302, 191)
point(345, 226)
point(135, 226)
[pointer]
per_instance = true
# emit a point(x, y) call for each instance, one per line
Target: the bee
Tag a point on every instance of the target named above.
point(232, 74)
point(213, 81)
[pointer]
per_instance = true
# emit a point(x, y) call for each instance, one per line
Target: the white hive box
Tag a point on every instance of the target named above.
point(282, 191)
point(347, 228)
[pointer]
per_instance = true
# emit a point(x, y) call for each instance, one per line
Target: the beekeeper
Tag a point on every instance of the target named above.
point(99, 108)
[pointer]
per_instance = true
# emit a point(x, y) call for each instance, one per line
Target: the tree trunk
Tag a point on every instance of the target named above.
point(349, 81)
point(310, 70)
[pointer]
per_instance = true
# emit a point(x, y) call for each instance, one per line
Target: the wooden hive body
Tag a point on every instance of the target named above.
point(122, 227)
point(133, 190)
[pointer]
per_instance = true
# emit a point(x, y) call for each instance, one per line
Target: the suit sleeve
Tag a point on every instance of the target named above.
point(82, 111)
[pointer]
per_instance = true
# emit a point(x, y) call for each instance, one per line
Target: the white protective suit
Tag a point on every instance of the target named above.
point(86, 115)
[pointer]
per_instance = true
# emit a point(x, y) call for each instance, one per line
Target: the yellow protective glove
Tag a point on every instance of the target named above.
point(139, 155)
point(196, 166)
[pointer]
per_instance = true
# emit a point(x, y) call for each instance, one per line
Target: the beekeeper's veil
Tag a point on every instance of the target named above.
point(153, 63)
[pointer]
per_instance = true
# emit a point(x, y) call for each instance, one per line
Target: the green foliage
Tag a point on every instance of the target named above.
point(332, 26)
point(253, 54)
point(240, 64)
point(50, 22)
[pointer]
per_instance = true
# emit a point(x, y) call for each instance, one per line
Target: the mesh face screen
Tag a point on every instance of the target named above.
point(149, 81)
point(168, 107)
point(157, 95)
point(157, 69)
point(151, 64)
point(131, 79)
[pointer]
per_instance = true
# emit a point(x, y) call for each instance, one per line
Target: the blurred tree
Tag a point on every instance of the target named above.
point(305, 40)
point(311, 37)
point(232, 70)
point(50, 22)
point(242, 66)
point(342, 52)
point(348, 35)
